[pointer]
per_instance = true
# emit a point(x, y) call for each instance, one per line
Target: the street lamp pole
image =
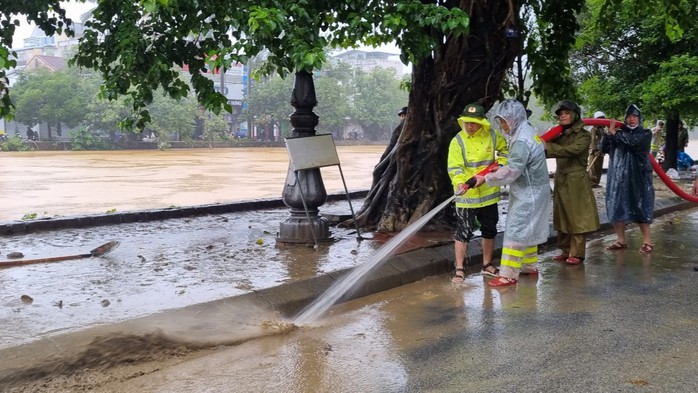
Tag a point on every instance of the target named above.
point(302, 226)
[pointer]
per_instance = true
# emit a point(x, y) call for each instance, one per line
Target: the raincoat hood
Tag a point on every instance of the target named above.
point(514, 113)
point(481, 121)
point(634, 110)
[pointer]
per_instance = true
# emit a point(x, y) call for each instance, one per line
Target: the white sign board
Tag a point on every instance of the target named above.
point(312, 152)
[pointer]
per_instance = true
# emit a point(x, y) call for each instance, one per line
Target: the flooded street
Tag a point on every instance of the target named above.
point(620, 322)
point(66, 183)
point(177, 306)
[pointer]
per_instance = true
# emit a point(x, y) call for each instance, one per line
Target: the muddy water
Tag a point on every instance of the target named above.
point(620, 322)
point(63, 183)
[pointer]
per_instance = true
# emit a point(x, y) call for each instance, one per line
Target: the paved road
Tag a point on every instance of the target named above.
point(621, 322)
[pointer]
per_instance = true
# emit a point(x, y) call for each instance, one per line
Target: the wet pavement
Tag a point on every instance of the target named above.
point(620, 322)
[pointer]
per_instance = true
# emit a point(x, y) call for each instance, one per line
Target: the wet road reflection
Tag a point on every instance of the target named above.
point(620, 322)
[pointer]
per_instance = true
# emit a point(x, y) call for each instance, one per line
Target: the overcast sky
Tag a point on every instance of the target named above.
point(73, 9)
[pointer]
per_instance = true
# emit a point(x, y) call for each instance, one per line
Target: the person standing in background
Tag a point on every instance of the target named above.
point(657, 138)
point(629, 188)
point(574, 206)
point(595, 167)
point(683, 137)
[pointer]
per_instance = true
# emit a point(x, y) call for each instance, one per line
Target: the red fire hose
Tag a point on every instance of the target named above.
point(471, 182)
point(555, 131)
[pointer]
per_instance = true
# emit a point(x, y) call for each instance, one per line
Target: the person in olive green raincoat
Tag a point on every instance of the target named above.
point(574, 206)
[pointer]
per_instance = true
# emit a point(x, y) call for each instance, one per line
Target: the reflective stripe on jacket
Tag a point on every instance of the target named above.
point(468, 155)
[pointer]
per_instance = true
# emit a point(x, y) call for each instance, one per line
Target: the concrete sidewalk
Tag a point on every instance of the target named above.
point(181, 266)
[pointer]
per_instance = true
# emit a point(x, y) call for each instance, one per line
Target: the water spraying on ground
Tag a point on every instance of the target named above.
point(336, 291)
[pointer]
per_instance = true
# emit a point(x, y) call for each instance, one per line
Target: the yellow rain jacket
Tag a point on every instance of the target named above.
point(469, 154)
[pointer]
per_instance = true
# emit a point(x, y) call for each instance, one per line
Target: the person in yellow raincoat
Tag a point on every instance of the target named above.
point(474, 148)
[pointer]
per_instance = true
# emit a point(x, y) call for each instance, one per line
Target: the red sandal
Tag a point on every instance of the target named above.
point(560, 258)
point(617, 246)
point(502, 282)
point(646, 248)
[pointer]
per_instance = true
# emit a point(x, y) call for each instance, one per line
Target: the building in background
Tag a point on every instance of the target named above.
point(368, 60)
point(51, 52)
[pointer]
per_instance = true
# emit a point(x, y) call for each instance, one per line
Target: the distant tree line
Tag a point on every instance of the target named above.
point(69, 98)
point(346, 95)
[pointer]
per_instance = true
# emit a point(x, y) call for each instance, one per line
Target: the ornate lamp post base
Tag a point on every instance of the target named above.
point(304, 191)
point(298, 229)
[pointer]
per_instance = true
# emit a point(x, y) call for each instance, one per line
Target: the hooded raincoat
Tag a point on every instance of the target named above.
point(526, 173)
point(574, 205)
point(629, 189)
point(469, 154)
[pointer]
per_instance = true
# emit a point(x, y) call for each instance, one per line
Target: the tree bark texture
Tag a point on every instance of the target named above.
point(411, 177)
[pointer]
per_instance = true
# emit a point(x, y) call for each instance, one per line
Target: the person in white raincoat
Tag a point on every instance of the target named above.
point(526, 173)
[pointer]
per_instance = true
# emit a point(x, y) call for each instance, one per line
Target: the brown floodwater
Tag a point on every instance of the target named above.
point(63, 183)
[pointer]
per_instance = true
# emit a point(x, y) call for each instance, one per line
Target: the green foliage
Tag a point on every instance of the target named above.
point(673, 17)
point(86, 139)
point(14, 143)
point(29, 216)
point(51, 97)
point(635, 60)
point(48, 15)
point(370, 99)
point(548, 41)
point(171, 118)
point(136, 44)
point(215, 128)
point(377, 100)
point(674, 87)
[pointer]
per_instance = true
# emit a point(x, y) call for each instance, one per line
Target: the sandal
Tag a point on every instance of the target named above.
point(459, 276)
point(502, 282)
point(574, 260)
point(646, 248)
point(617, 246)
point(560, 258)
point(490, 273)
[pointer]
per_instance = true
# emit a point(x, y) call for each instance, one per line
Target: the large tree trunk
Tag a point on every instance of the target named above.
point(411, 178)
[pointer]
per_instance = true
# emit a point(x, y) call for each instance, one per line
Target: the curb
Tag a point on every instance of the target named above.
point(49, 224)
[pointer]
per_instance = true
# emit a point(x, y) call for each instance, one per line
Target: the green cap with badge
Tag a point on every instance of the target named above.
point(475, 110)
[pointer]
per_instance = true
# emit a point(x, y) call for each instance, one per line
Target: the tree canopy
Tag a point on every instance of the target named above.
point(461, 52)
point(643, 52)
point(344, 93)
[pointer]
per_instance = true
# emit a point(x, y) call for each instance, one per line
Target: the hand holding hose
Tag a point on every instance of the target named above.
point(464, 187)
point(479, 180)
point(612, 127)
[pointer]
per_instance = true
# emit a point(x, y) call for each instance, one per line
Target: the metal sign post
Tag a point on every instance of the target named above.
point(316, 152)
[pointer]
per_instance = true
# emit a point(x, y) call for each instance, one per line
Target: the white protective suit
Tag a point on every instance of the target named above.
point(526, 173)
